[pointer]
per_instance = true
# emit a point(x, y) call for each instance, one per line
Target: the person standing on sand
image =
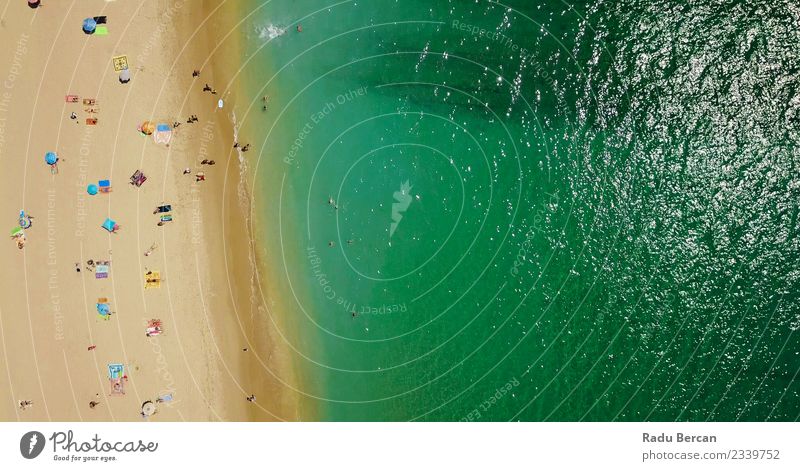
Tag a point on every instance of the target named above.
point(93, 404)
point(251, 398)
point(206, 88)
point(195, 73)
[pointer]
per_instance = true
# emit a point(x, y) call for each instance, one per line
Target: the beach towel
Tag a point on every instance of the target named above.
point(152, 279)
point(152, 331)
point(117, 387)
point(164, 208)
point(101, 31)
point(71, 98)
point(104, 186)
point(138, 178)
point(89, 102)
point(116, 371)
point(163, 134)
point(166, 218)
point(101, 271)
point(91, 121)
point(101, 20)
point(120, 63)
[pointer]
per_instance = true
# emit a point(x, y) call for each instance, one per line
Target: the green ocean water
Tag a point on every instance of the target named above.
point(475, 210)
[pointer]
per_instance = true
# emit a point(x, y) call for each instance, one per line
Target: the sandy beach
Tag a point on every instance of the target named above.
point(56, 349)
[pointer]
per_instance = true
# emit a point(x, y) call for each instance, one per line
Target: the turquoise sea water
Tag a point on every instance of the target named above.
point(536, 211)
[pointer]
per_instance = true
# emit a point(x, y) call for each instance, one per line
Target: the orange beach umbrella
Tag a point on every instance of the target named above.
point(148, 127)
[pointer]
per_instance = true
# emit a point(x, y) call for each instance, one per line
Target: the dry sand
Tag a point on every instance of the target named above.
point(48, 317)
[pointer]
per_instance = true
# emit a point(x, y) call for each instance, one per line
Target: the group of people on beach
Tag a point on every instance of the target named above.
point(192, 119)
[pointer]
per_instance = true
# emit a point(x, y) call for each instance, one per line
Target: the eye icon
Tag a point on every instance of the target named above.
point(31, 445)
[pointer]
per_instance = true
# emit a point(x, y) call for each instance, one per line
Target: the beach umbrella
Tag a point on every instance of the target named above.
point(148, 408)
point(148, 127)
point(109, 225)
point(91, 189)
point(24, 220)
point(34, 3)
point(51, 158)
point(125, 76)
point(89, 25)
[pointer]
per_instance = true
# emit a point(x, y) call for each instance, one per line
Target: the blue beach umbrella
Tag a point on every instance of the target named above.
point(109, 225)
point(91, 189)
point(89, 25)
point(51, 158)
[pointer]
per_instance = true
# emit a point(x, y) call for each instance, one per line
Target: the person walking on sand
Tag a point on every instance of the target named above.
point(187, 171)
point(91, 347)
point(93, 404)
point(235, 145)
point(206, 88)
point(78, 267)
point(251, 398)
point(195, 73)
point(246, 148)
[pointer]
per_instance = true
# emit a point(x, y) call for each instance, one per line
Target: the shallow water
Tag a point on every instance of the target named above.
point(536, 212)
